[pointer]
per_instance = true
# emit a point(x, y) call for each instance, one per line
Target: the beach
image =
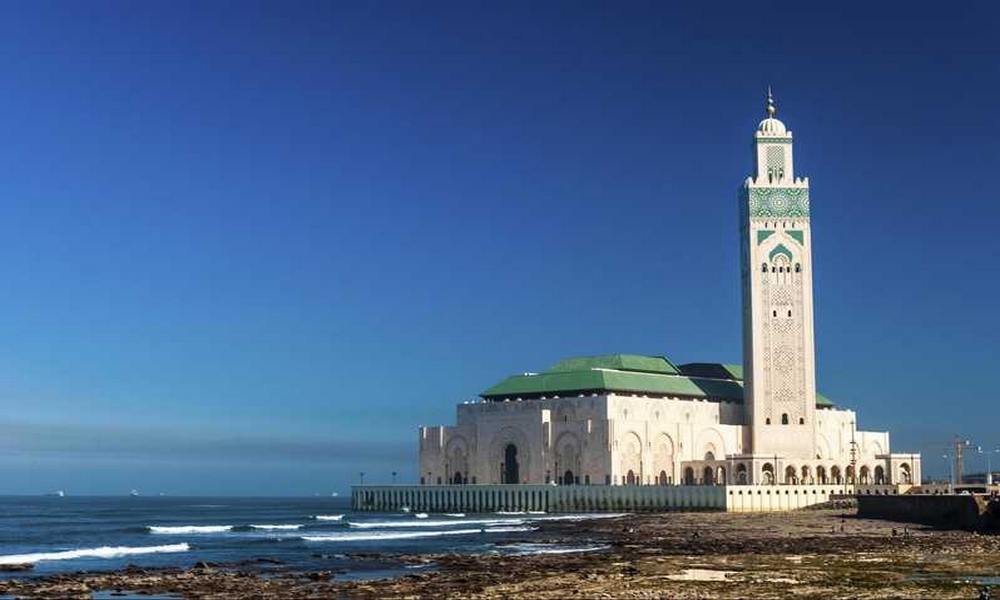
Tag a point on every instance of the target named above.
point(806, 554)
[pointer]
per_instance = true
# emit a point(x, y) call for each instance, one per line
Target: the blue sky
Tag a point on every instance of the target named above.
point(248, 248)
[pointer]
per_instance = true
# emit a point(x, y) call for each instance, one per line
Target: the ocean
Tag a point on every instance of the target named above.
point(69, 534)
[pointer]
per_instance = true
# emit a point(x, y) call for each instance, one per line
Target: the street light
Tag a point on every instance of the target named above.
point(361, 477)
point(951, 473)
point(394, 478)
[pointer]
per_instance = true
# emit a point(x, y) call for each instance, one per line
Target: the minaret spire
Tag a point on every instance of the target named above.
point(771, 109)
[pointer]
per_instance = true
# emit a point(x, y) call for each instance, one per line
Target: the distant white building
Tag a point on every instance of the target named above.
point(642, 420)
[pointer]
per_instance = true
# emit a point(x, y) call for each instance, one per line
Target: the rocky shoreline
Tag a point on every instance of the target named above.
point(803, 554)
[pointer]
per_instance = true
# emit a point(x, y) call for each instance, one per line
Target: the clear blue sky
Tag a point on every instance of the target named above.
point(248, 248)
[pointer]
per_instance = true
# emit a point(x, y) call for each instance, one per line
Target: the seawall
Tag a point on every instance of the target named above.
point(575, 498)
point(948, 511)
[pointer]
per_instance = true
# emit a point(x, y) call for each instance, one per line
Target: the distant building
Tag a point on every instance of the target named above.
point(642, 420)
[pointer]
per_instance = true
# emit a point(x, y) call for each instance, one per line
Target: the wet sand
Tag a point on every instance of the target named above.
point(802, 554)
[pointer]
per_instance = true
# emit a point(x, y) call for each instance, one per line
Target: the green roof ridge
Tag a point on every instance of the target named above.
point(620, 362)
point(631, 373)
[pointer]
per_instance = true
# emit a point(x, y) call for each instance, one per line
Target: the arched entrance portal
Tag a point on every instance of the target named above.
point(879, 475)
point(568, 478)
point(511, 472)
point(631, 479)
point(688, 476)
point(706, 476)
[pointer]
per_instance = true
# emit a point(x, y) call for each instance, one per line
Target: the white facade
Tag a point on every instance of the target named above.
point(630, 420)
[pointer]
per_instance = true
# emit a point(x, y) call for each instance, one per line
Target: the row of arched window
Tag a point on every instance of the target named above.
point(764, 268)
point(784, 420)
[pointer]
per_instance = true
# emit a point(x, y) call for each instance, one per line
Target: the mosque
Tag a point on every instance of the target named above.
point(631, 420)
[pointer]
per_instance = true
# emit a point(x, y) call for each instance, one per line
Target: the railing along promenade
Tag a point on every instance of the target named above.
point(598, 498)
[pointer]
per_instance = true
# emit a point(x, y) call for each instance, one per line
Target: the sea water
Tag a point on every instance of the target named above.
point(105, 533)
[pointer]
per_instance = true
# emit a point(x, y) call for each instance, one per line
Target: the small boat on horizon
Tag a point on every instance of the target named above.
point(133, 493)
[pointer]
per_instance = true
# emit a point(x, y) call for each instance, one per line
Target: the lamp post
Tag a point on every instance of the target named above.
point(394, 478)
point(361, 477)
point(989, 463)
point(951, 473)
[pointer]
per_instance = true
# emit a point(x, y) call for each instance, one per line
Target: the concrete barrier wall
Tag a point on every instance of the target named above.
point(570, 498)
point(582, 498)
point(954, 511)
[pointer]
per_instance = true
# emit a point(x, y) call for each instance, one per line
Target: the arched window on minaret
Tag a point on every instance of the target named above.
point(784, 418)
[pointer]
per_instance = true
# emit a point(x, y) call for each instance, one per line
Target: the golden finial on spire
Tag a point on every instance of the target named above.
point(771, 110)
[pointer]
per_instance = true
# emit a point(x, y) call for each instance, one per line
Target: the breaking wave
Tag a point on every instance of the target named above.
point(430, 523)
point(578, 517)
point(276, 527)
point(360, 536)
point(328, 517)
point(102, 552)
point(523, 549)
point(177, 529)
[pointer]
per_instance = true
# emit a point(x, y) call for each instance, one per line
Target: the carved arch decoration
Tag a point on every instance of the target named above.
point(567, 455)
point(823, 449)
point(456, 456)
point(510, 435)
point(710, 440)
point(630, 454)
point(663, 457)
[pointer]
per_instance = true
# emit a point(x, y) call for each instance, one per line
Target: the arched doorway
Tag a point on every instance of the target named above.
point(767, 474)
point(865, 475)
point(720, 476)
point(568, 477)
point(741, 474)
point(849, 473)
point(458, 479)
point(905, 476)
point(790, 477)
point(511, 470)
point(805, 475)
point(879, 475)
point(631, 478)
point(835, 475)
point(821, 475)
point(662, 479)
point(707, 478)
point(689, 476)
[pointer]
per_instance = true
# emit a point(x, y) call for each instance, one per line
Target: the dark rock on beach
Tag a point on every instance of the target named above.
point(805, 554)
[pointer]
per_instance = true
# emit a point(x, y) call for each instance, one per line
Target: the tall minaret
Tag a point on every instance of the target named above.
point(778, 352)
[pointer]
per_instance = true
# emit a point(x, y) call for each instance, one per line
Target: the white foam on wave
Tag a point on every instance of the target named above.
point(523, 549)
point(328, 517)
point(578, 517)
point(510, 512)
point(429, 523)
point(277, 527)
point(509, 529)
point(421, 515)
point(456, 515)
point(180, 529)
point(102, 552)
point(361, 536)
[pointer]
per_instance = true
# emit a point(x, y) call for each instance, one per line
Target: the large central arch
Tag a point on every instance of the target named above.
point(499, 448)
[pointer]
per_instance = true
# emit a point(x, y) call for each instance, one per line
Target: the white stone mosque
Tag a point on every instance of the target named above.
point(630, 420)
